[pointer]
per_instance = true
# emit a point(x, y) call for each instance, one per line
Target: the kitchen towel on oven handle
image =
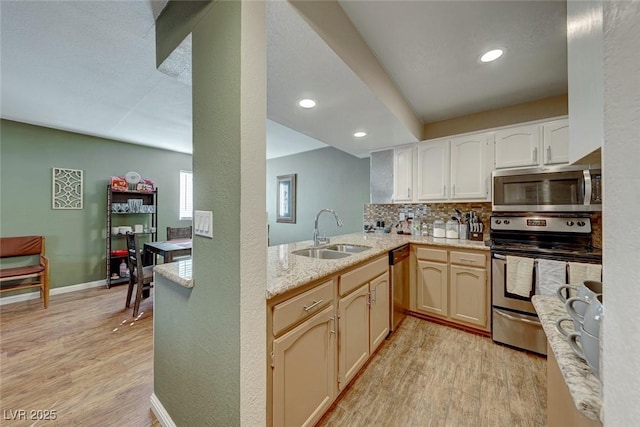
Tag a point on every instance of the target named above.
point(550, 275)
point(519, 276)
point(579, 272)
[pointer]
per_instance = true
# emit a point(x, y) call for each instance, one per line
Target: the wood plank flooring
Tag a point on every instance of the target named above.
point(84, 357)
point(79, 359)
point(433, 375)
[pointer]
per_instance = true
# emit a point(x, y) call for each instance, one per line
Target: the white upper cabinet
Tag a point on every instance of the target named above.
point(586, 78)
point(517, 147)
point(469, 167)
point(433, 171)
point(539, 144)
point(555, 139)
point(403, 174)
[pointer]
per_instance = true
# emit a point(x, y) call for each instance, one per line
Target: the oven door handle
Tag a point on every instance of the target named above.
point(517, 319)
point(498, 256)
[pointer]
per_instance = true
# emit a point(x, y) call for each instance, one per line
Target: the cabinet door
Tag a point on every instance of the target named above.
point(517, 147)
point(379, 315)
point(469, 175)
point(433, 170)
point(353, 321)
point(381, 176)
point(304, 371)
point(402, 174)
point(469, 295)
point(555, 141)
point(432, 285)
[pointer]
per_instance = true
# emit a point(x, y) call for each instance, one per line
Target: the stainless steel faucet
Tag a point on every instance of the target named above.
point(317, 240)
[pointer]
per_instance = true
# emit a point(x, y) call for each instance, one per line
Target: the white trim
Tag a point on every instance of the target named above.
point(161, 414)
point(54, 291)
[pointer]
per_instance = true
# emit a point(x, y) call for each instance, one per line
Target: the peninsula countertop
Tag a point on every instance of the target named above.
point(287, 271)
point(584, 386)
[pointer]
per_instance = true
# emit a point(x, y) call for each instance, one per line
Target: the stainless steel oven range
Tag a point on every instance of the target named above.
point(560, 237)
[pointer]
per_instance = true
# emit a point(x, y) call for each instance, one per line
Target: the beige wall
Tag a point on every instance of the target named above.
point(535, 110)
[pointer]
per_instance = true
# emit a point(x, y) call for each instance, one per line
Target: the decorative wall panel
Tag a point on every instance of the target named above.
point(67, 188)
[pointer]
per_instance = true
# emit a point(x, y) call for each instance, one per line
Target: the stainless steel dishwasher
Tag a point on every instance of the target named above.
point(399, 274)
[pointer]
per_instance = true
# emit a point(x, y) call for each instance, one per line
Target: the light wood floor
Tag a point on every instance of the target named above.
point(432, 375)
point(78, 359)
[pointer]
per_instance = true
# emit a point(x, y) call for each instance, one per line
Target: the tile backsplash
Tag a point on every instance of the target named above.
point(430, 212)
point(389, 213)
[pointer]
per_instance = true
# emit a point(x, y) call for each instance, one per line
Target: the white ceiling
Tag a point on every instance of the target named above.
point(89, 67)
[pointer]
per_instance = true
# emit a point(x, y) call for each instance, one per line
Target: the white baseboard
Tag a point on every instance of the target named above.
point(161, 414)
point(53, 291)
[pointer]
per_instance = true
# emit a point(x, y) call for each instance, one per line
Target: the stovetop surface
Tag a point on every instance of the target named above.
point(559, 249)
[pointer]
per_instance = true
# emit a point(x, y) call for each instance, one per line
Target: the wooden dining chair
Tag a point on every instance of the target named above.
point(179, 232)
point(140, 281)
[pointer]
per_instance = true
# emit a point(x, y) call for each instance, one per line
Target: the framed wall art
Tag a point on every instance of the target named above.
point(67, 189)
point(286, 201)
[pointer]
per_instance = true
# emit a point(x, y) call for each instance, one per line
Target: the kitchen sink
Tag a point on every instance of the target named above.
point(321, 253)
point(343, 247)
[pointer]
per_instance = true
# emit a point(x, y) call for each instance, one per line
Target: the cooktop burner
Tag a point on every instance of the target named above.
point(566, 236)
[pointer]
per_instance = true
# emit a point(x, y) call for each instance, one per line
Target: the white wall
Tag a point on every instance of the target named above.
point(621, 230)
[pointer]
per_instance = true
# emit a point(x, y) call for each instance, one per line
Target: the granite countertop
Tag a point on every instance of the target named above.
point(286, 271)
point(178, 272)
point(584, 386)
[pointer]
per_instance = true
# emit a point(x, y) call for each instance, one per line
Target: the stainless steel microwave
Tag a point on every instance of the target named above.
point(548, 189)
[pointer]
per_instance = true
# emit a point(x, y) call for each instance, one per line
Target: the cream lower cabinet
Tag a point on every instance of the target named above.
point(304, 371)
point(363, 316)
point(433, 284)
point(468, 288)
point(353, 318)
point(379, 311)
point(452, 285)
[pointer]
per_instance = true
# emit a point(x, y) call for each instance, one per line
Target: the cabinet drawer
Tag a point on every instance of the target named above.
point(468, 258)
point(432, 254)
point(356, 278)
point(299, 307)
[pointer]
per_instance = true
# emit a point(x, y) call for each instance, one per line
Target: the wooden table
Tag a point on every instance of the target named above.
point(170, 248)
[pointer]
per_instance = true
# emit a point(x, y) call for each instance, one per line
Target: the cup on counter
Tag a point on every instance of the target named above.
point(587, 291)
point(559, 326)
point(588, 349)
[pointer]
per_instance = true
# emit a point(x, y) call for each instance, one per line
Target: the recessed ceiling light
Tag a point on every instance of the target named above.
point(307, 103)
point(360, 134)
point(491, 55)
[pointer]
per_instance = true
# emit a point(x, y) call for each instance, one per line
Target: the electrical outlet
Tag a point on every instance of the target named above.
point(203, 223)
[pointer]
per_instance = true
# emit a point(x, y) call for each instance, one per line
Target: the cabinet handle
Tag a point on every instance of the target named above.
point(535, 155)
point(467, 260)
point(373, 296)
point(335, 322)
point(369, 299)
point(444, 190)
point(409, 191)
point(315, 304)
point(453, 190)
point(549, 154)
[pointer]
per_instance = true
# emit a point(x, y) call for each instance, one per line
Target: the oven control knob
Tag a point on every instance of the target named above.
point(506, 221)
point(581, 223)
point(569, 223)
point(498, 221)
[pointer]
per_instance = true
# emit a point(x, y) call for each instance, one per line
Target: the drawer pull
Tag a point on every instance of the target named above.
point(315, 304)
point(467, 260)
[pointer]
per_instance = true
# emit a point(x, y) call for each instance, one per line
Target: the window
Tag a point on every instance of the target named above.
point(186, 195)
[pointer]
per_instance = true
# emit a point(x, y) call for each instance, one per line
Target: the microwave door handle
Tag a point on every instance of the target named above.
point(587, 187)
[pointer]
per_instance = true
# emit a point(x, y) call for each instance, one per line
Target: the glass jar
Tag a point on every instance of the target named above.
point(438, 228)
point(452, 229)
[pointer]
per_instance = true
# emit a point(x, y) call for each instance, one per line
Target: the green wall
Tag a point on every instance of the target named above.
point(75, 239)
point(209, 341)
point(327, 178)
